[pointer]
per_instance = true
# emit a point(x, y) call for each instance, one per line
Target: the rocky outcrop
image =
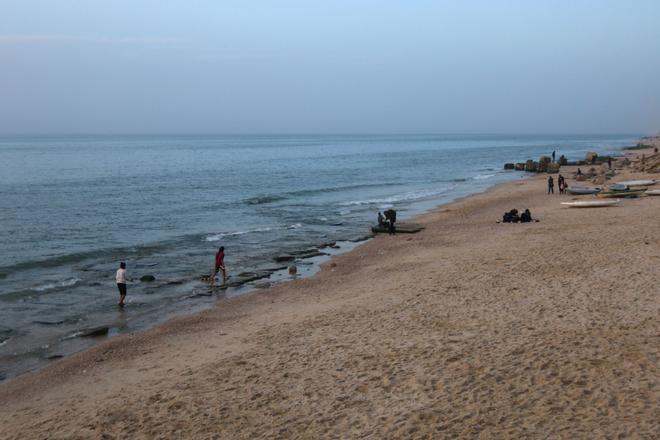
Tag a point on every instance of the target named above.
point(542, 166)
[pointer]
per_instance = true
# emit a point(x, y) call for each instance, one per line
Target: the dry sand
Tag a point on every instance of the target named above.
point(468, 329)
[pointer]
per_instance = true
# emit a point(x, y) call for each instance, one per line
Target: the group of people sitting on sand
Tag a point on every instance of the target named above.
point(513, 216)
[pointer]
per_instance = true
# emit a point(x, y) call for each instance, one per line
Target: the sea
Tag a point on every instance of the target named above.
point(72, 207)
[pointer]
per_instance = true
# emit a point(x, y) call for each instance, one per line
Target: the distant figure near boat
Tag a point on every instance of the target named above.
point(551, 185)
point(562, 184)
point(219, 265)
point(390, 219)
point(381, 220)
point(120, 278)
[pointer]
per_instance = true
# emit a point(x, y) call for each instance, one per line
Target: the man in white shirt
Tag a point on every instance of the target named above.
point(120, 277)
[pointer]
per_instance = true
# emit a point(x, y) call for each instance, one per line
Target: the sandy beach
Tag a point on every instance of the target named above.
point(468, 329)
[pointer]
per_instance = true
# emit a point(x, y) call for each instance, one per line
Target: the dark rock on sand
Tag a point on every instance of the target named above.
point(147, 278)
point(509, 166)
point(552, 168)
point(520, 166)
point(52, 357)
point(94, 331)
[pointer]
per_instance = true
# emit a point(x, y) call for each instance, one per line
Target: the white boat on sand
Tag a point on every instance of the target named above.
point(591, 203)
point(582, 190)
point(638, 182)
point(652, 192)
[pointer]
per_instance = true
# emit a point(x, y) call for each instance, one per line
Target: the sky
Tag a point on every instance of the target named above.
point(195, 66)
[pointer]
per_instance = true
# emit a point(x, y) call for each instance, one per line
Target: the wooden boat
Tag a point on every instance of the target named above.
point(581, 190)
point(591, 203)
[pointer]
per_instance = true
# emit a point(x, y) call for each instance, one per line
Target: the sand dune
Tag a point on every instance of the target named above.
point(469, 329)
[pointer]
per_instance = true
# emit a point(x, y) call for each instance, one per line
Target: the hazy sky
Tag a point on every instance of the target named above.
point(197, 66)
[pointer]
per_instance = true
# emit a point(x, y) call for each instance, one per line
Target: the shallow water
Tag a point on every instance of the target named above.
point(72, 207)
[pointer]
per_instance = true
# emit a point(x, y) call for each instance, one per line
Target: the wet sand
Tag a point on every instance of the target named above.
point(467, 329)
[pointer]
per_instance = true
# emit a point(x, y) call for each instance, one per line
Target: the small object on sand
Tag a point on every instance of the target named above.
point(293, 270)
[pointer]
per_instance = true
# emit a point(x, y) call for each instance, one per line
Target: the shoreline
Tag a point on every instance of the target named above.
point(276, 278)
point(309, 261)
point(388, 287)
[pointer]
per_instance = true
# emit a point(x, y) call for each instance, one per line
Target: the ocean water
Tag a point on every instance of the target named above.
point(72, 207)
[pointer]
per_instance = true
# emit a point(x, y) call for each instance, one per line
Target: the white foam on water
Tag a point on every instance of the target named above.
point(68, 282)
point(220, 236)
point(483, 176)
point(406, 197)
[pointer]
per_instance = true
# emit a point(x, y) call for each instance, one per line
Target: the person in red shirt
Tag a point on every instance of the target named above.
point(219, 265)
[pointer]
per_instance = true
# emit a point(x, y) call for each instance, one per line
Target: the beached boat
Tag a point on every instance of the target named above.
point(618, 187)
point(401, 228)
point(652, 192)
point(616, 194)
point(582, 190)
point(638, 183)
point(591, 203)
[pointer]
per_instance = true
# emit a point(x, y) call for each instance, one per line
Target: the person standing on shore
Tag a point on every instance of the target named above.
point(562, 184)
point(390, 216)
point(553, 156)
point(609, 162)
point(219, 265)
point(551, 185)
point(120, 278)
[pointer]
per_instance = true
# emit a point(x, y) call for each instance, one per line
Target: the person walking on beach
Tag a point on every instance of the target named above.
point(120, 278)
point(609, 162)
point(551, 185)
point(219, 265)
